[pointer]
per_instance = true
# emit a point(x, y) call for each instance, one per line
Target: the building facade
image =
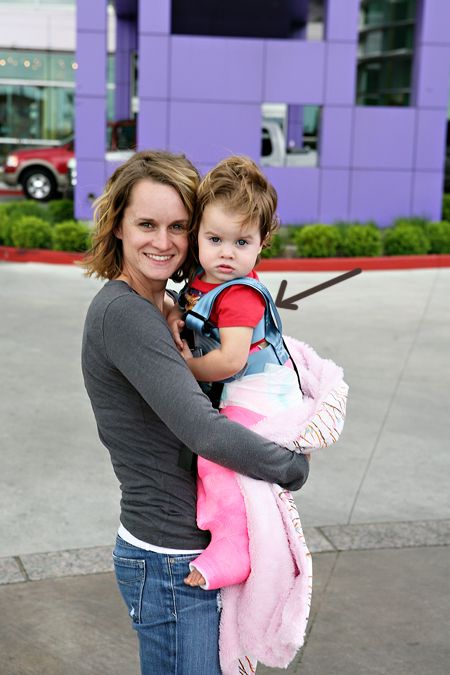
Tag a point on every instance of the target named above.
point(37, 72)
point(354, 101)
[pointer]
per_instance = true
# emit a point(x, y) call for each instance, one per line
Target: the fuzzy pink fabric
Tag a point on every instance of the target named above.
point(266, 616)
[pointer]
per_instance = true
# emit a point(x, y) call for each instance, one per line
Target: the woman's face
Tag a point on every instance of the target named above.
point(153, 233)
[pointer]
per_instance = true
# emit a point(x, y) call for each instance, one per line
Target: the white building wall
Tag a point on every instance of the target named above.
point(45, 27)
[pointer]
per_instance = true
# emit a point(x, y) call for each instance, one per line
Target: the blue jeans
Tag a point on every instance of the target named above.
point(177, 625)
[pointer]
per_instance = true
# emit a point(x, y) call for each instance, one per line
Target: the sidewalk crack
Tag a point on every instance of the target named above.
point(21, 566)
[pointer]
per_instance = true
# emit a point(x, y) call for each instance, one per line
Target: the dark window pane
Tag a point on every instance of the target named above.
point(126, 137)
point(31, 112)
point(385, 56)
point(301, 19)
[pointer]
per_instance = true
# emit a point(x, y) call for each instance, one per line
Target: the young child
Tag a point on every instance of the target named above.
point(235, 219)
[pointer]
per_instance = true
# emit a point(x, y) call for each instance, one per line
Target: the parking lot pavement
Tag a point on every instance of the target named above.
point(376, 507)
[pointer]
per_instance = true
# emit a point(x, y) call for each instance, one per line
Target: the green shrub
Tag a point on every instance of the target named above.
point(289, 232)
point(344, 225)
point(71, 235)
point(446, 208)
point(60, 210)
point(275, 249)
point(318, 241)
point(5, 228)
point(31, 232)
point(16, 210)
point(414, 222)
point(406, 240)
point(10, 212)
point(439, 237)
point(361, 240)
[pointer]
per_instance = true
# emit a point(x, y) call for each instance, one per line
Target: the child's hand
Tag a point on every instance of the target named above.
point(185, 351)
point(194, 578)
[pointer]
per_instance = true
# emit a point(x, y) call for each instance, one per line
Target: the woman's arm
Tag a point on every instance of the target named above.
point(138, 342)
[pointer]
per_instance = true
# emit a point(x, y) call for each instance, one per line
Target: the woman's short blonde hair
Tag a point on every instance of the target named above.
point(239, 186)
point(105, 257)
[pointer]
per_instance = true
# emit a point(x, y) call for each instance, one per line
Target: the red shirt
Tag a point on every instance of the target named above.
point(235, 306)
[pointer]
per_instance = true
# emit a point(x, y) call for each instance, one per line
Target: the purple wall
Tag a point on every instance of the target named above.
point(90, 104)
point(203, 96)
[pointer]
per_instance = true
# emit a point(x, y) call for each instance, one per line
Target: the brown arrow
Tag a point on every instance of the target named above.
point(289, 303)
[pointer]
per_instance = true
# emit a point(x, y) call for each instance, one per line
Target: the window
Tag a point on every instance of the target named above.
point(385, 54)
point(289, 134)
point(249, 18)
point(36, 113)
point(37, 91)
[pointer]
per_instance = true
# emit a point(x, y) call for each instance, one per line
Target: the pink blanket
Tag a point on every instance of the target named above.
point(265, 618)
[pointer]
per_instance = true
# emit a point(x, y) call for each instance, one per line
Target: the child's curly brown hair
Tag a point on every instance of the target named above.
point(239, 186)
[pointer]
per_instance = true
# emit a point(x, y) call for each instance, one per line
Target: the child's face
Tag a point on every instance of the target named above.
point(227, 249)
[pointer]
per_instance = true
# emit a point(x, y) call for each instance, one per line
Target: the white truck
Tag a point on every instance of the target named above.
point(273, 148)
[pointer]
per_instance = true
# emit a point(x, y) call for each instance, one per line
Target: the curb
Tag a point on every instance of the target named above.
point(325, 539)
point(38, 255)
point(399, 262)
point(10, 192)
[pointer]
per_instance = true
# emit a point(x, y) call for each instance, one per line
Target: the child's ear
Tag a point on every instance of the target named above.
point(263, 244)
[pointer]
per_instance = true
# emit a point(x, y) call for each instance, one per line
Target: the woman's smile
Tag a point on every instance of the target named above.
point(158, 258)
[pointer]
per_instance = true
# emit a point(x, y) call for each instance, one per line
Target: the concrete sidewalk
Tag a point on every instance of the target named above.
point(383, 612)
point(376, 508)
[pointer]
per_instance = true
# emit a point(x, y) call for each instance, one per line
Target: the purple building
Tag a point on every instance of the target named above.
point(210, 95)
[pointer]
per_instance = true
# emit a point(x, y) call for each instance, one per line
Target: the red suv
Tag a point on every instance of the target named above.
point(43, 172)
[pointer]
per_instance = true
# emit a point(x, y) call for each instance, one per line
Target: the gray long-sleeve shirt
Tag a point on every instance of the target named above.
point(148, 407)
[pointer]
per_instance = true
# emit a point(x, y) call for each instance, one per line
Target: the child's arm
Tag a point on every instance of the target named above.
point(225, 361)
point(176, 324)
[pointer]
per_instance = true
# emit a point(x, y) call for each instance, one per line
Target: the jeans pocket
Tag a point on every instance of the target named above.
point(130, 576)
point(180, 559)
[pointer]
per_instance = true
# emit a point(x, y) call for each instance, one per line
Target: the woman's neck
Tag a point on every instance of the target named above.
point(153, 291)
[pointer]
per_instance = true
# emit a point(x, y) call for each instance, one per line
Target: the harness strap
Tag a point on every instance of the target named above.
point(269, 327)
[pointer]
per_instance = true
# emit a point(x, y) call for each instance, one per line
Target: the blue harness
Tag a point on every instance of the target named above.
point(268, 329)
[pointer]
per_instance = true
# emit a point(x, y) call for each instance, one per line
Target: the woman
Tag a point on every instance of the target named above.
point(151, 413)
